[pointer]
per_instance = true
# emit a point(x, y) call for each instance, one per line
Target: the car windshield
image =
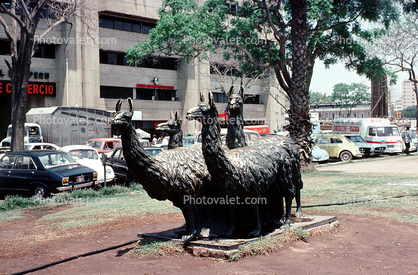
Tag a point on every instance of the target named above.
point(387, 131)
point(356, 138)
point(153, 151)
point(83, 154)
point(188, 140)
point(56, 159)
point(95, 144)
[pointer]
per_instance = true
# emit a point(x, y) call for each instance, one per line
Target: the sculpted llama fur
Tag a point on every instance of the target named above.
point(236, 138)
point(245, 172)
point(170, 175)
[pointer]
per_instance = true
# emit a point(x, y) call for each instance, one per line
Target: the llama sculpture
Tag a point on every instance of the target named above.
point(247, 172)
point(236, 138)
point(172, 127)
point(170, 175)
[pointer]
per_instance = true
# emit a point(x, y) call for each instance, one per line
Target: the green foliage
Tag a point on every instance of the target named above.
point(316, 98)
point(409, 112)
point(336, 31)
point(17, 202)
point(355, 93)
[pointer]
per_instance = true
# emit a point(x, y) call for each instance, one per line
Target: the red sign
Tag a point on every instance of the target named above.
point(148, 86)
point(34, 88)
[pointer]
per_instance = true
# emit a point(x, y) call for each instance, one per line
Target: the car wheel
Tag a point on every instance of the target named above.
point(346, 156)
point(40, 192)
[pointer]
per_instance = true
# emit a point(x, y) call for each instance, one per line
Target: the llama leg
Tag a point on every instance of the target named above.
point(231, 229)
point(298, 204)
point(192, 223)
point(257, 230)
point(286, 224)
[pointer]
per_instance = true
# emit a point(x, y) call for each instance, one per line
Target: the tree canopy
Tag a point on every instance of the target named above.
point(285, 36)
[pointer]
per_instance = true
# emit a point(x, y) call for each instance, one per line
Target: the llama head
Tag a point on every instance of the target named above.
point(123, 118)
point(235, 101)
point(205, 111)
point(172, 126)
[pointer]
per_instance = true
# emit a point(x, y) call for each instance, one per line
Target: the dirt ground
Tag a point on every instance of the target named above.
point(360, 245)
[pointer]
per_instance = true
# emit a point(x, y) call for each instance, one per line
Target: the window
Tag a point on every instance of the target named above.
point(220, 98)
point(117, 58)
point(155, 94)
point(321, 141)
point(115, 92)
point(25, 162)
point(45, 51)
point(252, 99)
point(7, 162)
point(336, 140)
point(124, 24)
point(372, 131)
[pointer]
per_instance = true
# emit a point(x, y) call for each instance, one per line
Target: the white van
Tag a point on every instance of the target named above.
point(33, 133)
point(376, 131)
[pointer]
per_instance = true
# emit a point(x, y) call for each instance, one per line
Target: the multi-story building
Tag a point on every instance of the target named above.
point(328, 112)
point(408, 94)
point(87, 67)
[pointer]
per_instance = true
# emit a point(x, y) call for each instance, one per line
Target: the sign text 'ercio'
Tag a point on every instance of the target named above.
point(34, 88)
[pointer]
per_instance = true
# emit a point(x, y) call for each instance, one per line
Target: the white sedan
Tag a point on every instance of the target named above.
point(88, 156)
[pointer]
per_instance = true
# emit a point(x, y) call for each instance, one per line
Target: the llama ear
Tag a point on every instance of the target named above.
point(231, 91)
point(211, 102)
point(241, 92)
point(118, 105)
point(176, 116)
point(131, 105)
point(171, 115)
point(202, 98)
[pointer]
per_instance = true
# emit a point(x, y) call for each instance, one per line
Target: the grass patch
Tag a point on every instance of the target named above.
point(17, 202)
point(154, 246)
point(9, 216)
point(367, 194)
point(268, 244)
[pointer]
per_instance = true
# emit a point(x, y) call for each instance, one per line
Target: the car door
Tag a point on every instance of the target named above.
point(323, 143)
point(6, 167)
point(23, 173)
point(335, 147)
point(117, 162)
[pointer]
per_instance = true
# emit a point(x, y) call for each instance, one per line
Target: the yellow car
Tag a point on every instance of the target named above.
point(338, 146)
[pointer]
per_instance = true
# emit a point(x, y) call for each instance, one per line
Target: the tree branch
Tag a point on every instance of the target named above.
point(17, 19)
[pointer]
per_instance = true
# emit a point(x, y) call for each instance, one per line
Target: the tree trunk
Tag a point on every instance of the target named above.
point(20, 79)
point(300, 126)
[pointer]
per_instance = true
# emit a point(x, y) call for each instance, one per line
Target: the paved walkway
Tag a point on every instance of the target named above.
point(395, 165)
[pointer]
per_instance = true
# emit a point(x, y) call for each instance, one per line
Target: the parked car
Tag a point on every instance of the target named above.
point(319, 155)
point(249, 135)
point(118, 163)
point(41, 146)
point(189, 140)
point(87, 156)
point(43, 172)
point(338, 146)
point(103, 145)
point(368, 149)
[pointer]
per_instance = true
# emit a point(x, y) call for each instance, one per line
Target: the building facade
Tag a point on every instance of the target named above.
point(328, 112)
point(408, 94)
point(86, 67)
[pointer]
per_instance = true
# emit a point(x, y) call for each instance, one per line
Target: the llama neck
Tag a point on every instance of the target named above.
point(235, 137)
point(139, 161)
point(215, 158)
point(176, 140)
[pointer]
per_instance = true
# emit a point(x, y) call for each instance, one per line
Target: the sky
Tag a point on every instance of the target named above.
point(323, 80)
